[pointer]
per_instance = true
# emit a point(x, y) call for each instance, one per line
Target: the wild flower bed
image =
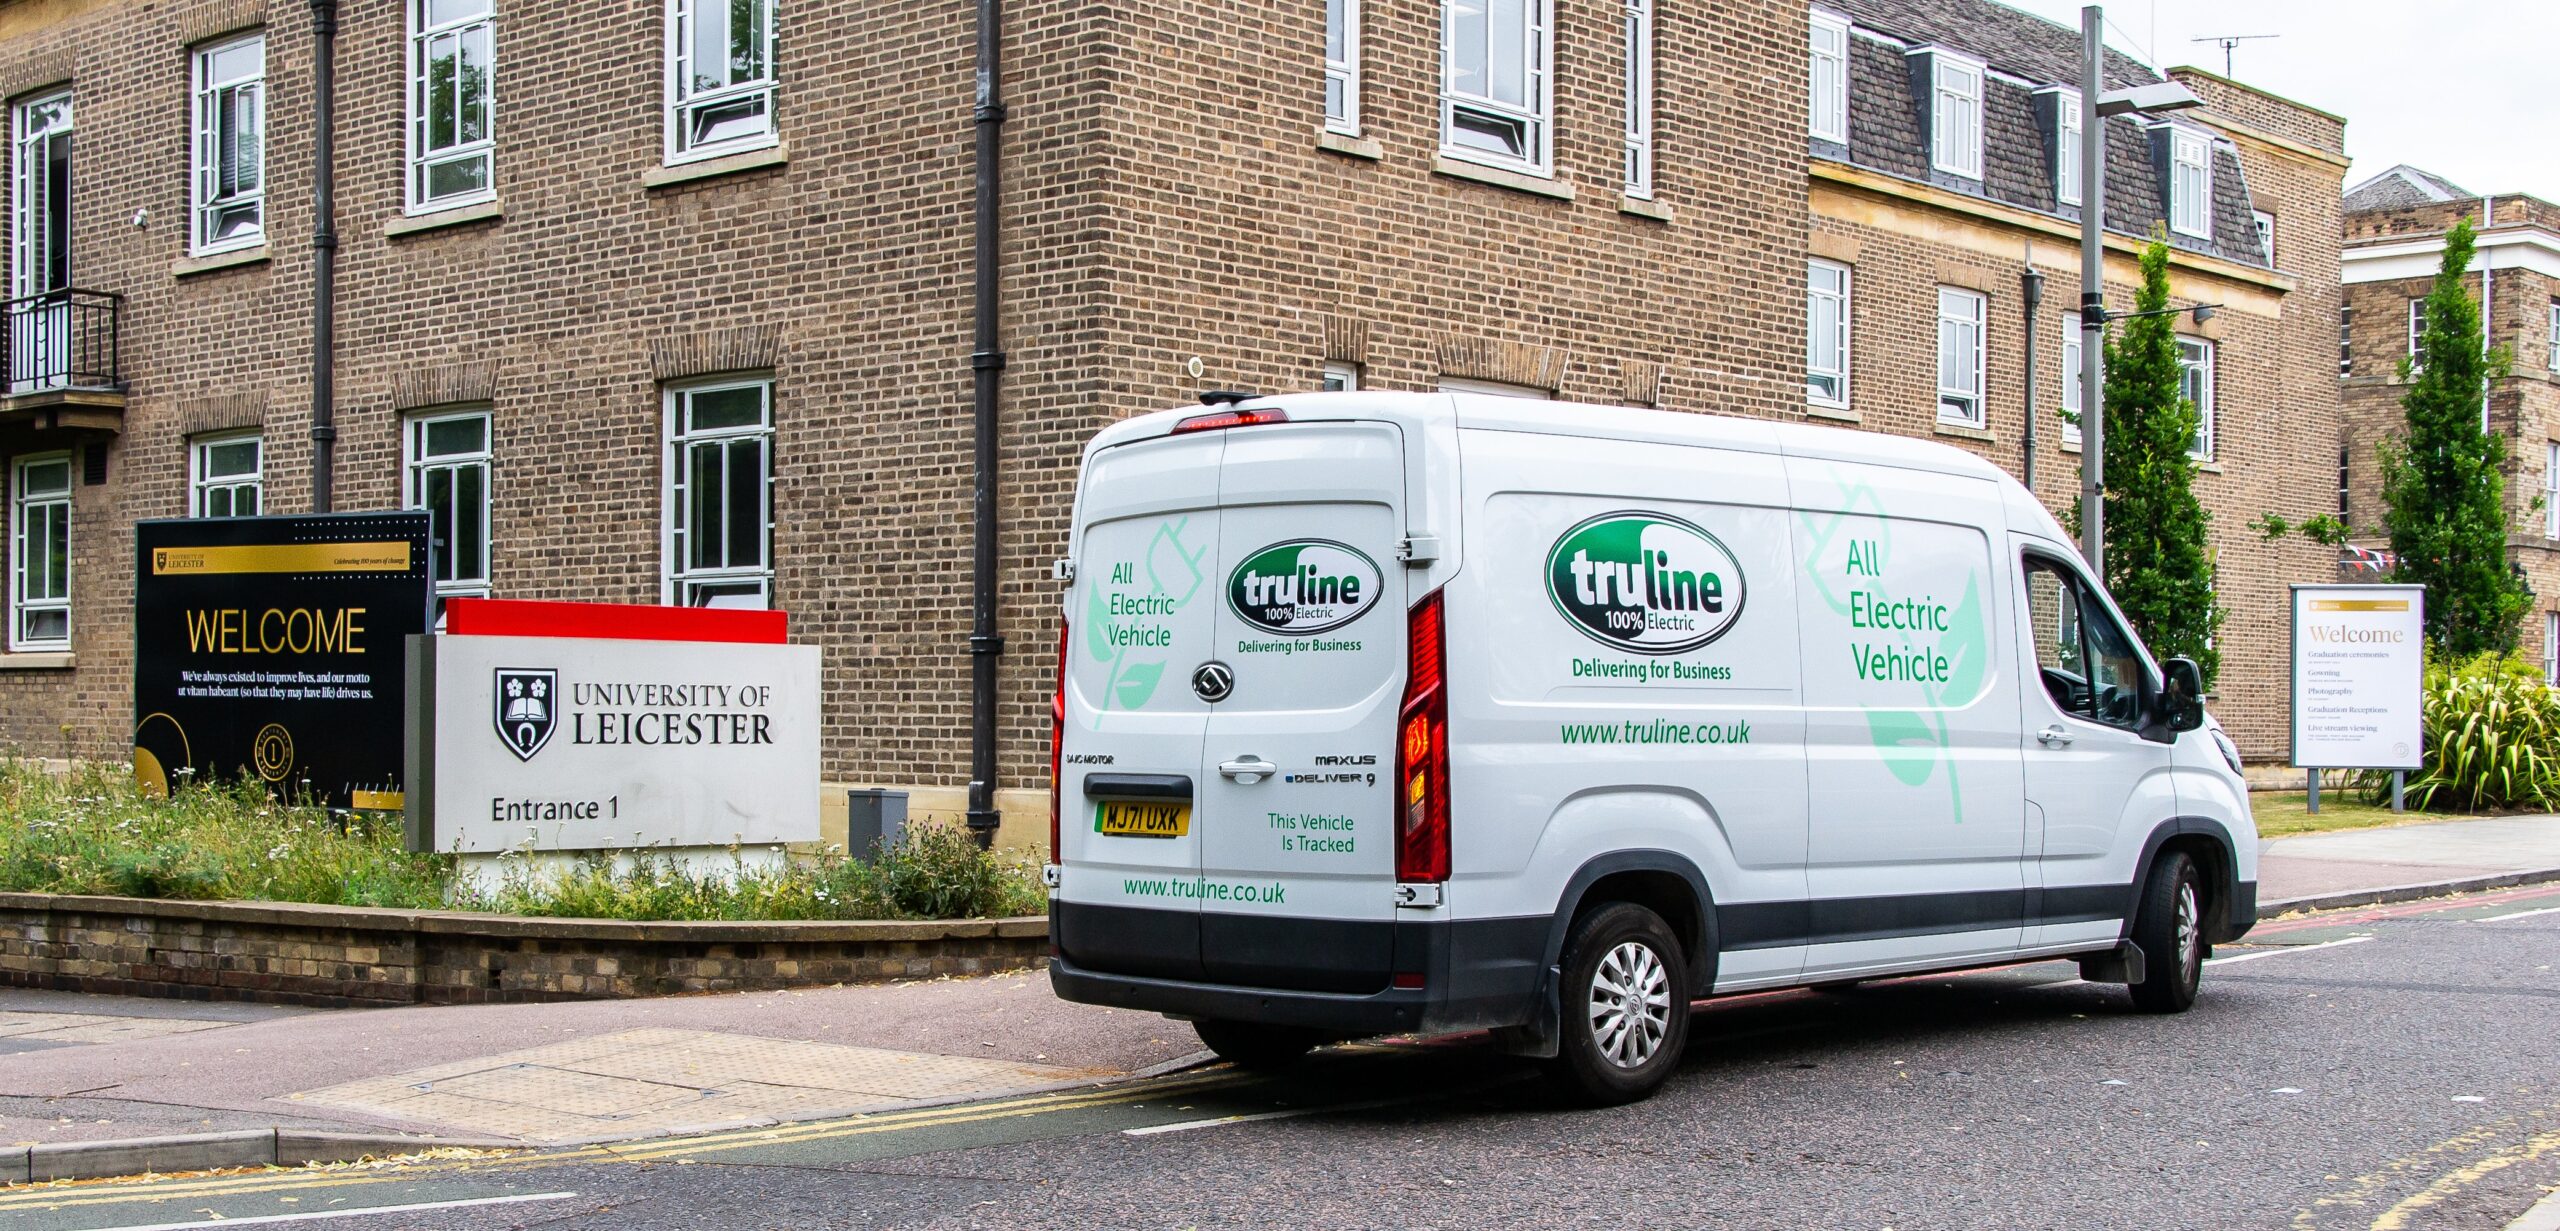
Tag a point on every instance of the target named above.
point(92, 832)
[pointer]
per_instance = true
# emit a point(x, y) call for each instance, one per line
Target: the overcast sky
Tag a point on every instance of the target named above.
point(2463, 88)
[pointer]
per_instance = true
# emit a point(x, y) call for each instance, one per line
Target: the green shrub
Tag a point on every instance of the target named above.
point(92, 832)
point(2492, 733)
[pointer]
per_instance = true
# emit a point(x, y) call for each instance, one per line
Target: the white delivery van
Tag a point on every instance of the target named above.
point(1385, 712)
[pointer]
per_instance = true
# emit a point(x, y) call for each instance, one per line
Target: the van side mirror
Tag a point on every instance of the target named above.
point(2181, 694)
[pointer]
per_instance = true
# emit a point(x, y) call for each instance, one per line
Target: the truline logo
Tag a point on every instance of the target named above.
point(528, 699)
point(1645, 582)
point(1304, 586)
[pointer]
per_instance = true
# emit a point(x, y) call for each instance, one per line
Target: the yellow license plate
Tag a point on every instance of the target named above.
point(1130, 819)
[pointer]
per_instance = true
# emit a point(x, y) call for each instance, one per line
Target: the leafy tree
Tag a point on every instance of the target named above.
point(2158, 567)
point(2444, 497)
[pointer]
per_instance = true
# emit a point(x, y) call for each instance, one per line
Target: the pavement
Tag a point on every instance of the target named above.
point(79, 1068)
point(2383, 1068)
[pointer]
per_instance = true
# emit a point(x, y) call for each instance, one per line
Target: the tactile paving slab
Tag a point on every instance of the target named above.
point(645, 1082)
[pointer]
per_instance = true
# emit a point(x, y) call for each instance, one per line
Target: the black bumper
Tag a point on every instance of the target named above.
point(2244, 912)
point(1332, 975)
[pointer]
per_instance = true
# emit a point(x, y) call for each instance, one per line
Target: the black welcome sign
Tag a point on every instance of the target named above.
point(275, 646)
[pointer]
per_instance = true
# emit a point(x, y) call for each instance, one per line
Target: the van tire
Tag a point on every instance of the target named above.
point(1600, 1029)
point(2169, 929)
point(1254, 1045)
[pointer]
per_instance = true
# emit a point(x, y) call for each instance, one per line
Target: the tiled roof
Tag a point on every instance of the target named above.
point(1888, 120)
point(2403, 186)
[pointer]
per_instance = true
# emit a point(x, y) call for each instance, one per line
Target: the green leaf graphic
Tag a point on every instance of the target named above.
point(1137, 683)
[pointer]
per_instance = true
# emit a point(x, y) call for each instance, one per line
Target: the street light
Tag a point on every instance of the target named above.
point(2143, 99)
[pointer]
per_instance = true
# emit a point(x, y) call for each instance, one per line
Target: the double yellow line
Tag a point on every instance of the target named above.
point(126, 1191)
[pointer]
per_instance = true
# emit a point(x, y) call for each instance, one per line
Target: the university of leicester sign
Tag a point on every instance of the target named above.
point(581, 727)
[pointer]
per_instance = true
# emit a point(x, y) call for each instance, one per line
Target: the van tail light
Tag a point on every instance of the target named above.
point(1422, 750)
point(1229, 418)
point(1057, 739)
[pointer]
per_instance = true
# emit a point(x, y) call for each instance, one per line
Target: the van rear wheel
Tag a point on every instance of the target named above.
point(1254, 1045)
point(2169, 929)
point(1623, 1008)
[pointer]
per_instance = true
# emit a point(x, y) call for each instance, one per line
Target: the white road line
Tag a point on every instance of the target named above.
point(2251, 957)
point(2521, 914)
point(317, 1215)
point(1186, 1125)
point(2037, 987)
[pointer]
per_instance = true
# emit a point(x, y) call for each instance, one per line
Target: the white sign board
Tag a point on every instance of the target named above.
point(2357, 661)
point(580, 744)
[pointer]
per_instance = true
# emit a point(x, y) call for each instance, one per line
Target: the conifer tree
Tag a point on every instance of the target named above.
point(2444, 497)
point(2158, 567)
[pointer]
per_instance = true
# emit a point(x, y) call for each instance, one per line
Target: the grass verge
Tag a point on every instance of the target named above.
point(2285, 813)
point(92, 832)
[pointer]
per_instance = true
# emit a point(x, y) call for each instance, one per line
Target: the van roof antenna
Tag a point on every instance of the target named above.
point(1226, 397)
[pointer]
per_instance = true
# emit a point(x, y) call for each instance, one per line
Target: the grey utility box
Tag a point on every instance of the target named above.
point(872, 815)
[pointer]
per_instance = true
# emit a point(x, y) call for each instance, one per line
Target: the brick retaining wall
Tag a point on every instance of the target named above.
point(336, 956)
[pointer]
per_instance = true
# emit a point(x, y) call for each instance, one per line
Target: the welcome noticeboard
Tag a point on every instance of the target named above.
point(273, 646)
point(2358, 659)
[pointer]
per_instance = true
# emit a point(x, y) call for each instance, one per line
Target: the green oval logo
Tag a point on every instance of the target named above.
point(1645, 582)
point(1304, 586)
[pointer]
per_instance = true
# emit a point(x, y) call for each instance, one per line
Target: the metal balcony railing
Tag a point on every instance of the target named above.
point(64, 339)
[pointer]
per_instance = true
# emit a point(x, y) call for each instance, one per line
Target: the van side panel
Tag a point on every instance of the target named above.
point(1624, 676)
point(1916, 800)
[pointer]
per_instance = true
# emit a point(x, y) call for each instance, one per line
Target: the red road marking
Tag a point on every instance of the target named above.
point(2372, 914)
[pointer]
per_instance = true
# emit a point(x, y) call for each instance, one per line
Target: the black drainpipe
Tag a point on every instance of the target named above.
point(2031, 293)
point(324, 250)
point(986, 364)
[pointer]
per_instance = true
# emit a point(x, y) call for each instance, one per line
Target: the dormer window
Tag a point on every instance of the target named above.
point(2063, 104)
point(2190, 183)
point(1955, 112)
point(1830, 102)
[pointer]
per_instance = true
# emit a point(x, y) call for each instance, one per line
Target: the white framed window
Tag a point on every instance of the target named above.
point(1639, 158)
point(452, 103)
point(1495, 388)
point(445, 464)
point(1341, 377)
point(1497, 61)
point(1342, 67)
point(720, 78)
point(2554, 337)
point(223, 473)
point(1960, 318)
point(1829, 119)
point(2266, 224)
point(1955, 114)
point(2190, 183)
point(2417, 330)
point(2346, 341)
point(40, 553)
point(2066, 146)
point(2195, 383)
point(719, 465)
point(2074, 356)
point(2551, 491)
point(2551, 647)
point(1826, 334)
point(229, 147)
point(2343, 474)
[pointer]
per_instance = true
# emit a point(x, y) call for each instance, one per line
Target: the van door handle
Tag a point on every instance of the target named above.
point(2055, 736)
point(1248, 769)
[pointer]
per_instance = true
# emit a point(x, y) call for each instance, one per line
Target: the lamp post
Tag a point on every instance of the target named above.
point(2098, 106)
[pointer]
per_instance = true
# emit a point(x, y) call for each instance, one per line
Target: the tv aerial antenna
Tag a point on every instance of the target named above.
point(2230, 41)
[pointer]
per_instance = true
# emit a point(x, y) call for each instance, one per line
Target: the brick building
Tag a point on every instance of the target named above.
point(1944, 186)
point(2394, 242)
point(663, 301)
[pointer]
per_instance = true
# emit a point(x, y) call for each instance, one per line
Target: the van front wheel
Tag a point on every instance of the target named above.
point(1253, 1045)
point(2169, 928)
point(1624, 1007)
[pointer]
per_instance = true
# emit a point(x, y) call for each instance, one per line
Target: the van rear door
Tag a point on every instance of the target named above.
point(1139, 620)
point(1296, 842)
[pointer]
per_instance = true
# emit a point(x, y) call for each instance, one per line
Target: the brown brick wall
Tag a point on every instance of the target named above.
point(1165, 198)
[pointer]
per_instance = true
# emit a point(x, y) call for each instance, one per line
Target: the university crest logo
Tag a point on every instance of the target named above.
point(527, 700)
